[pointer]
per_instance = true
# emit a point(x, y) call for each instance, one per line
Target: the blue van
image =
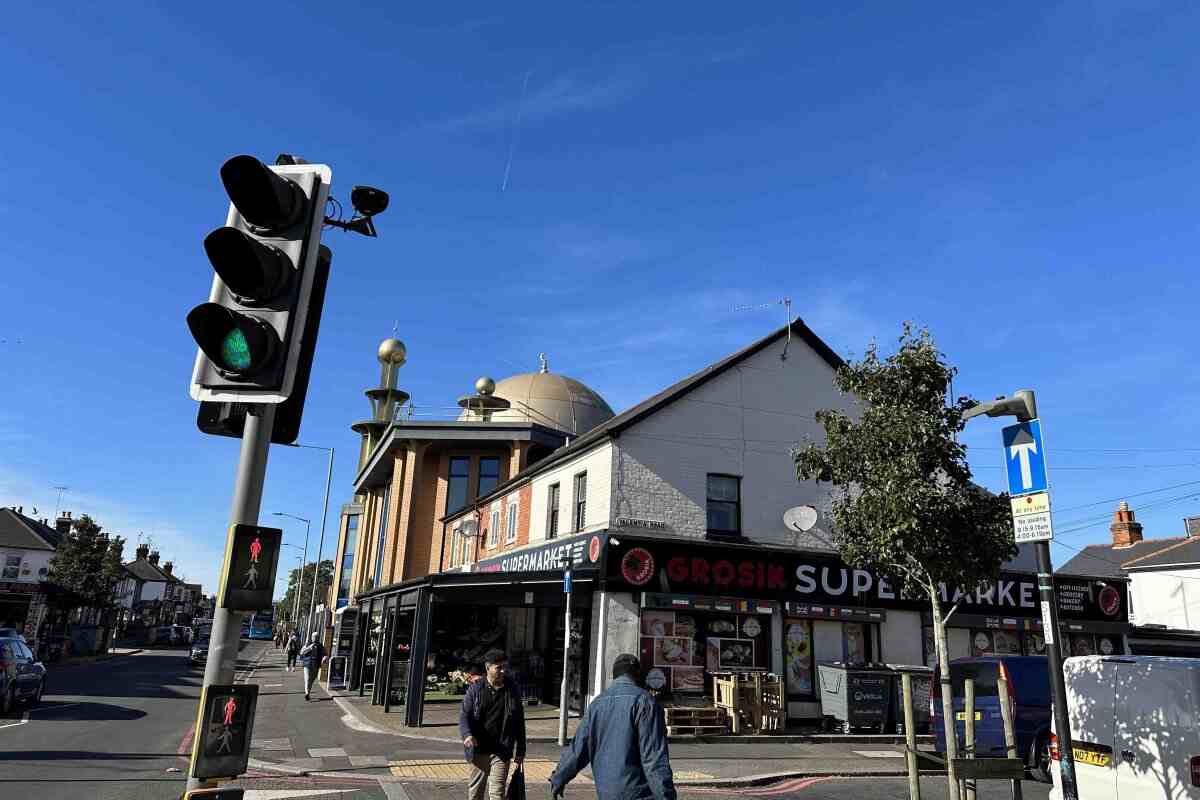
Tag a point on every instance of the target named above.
point(1028, 685)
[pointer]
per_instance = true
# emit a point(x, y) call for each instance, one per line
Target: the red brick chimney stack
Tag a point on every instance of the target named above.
point(1126, 531)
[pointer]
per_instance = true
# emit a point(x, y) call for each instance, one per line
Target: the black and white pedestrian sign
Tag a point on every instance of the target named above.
point(1024, 457)
point(252, 555)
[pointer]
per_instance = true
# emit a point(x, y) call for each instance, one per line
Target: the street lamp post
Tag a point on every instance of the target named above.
point(303, 563)
point(1023, 405)
point(563, 693)
point(312, 601)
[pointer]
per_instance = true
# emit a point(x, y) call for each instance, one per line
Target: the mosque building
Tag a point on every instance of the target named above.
point(688, 538)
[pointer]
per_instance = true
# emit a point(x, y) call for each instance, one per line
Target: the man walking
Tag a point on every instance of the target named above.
point(623, 736)
point(312, 657)
point(293, 650)
point(492, 724)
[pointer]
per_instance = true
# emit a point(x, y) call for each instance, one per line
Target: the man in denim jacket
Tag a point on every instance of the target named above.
point(492, 724)
point(623, 736)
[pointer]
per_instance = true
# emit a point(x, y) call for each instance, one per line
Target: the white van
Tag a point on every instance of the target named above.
point(1135, 723)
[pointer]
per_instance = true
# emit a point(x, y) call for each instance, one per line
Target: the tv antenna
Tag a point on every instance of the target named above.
point(58, 503)
point(786, 302)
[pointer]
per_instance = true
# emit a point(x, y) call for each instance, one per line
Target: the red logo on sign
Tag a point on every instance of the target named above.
point(637, 566)
point(1109, 601)
point(594, 549)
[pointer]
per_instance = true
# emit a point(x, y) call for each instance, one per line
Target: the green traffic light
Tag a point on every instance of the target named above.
point(235, 351)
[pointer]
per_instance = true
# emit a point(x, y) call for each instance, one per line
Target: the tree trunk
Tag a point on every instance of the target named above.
point(943, 658)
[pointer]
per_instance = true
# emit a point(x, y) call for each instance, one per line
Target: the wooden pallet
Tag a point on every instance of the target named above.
point(695, 716)
point(696, 730)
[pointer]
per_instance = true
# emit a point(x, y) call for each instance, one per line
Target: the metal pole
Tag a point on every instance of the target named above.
point(312, 603)
point(247, 499)
point(1058, 691)
point(910, 737)
point(300, 581)
point(969, 732)
point(562, 694)
point(1006, 717)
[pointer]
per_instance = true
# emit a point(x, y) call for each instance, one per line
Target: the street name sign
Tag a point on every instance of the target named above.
point(1025, 457)
point(251, 557)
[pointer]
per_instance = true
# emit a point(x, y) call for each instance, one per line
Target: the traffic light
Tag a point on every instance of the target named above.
point(229, 419)
point(251, 559)
point(252, 330)
point(223, 731)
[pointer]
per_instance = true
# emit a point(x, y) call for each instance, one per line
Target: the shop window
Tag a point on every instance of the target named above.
point(580, 517)
point(511, 534)
point(489, 475)
point(381, 539)
point(343, 595)
point(494, 529)
point(457, 484)
point(724, 505)
point(858, 642)
point(798, 666)
point(995, 643)
point(552, 511)
point(681, 650)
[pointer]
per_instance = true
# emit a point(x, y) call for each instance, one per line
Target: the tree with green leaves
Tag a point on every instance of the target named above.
point(89, 564)
point(324, 581)
point(903, 502)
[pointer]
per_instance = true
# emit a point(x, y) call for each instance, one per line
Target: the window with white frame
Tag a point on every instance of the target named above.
point(552, 511)
point(579, 518)
point(511, 534)
point(493, 529)
point(455, 539)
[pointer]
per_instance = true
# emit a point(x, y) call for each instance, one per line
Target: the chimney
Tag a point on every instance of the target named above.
point(1126, 531)
point(167, 567)
point(143, 550)
point(63, 524)
point(153, 559)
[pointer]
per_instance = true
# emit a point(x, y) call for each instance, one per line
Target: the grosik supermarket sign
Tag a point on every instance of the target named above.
point(685, 568)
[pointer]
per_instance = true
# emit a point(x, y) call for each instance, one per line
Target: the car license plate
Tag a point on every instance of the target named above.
point(1095, 757)
point(961, 716)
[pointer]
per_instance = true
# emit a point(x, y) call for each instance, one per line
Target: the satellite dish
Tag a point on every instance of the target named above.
point(469, 527)
point(800, 518)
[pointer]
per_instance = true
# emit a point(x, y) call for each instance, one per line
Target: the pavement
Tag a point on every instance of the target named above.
point(122, 728)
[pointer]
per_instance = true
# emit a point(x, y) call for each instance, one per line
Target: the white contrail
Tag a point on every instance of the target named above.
point(512, 147)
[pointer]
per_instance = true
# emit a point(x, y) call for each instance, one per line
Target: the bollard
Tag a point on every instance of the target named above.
point(910, 738)
point(1010, 739)
point(969, 731)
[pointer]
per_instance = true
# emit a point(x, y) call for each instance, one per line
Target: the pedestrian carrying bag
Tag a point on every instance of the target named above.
point(516, 785)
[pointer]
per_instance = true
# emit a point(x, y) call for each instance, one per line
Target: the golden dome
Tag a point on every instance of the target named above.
point(555, 401)
point(392, 351)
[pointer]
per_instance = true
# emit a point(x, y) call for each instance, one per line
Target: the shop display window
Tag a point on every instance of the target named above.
point(798, 662)
point(995, 643)
point(858, 642)
point(1033, 644)
point(682, 649)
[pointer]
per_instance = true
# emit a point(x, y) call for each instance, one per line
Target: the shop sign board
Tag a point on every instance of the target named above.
point(583, 551)
point(673, 567)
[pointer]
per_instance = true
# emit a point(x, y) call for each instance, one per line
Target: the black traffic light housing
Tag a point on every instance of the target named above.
point(251, 332)
point(251, 560)
point(223, 731)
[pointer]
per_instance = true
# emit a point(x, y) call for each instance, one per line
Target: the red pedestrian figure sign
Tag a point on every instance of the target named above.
point(222, 746)
point(252, 556)
point(230, 707)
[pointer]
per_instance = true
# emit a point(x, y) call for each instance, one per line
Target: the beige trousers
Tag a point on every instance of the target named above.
point(488, 771)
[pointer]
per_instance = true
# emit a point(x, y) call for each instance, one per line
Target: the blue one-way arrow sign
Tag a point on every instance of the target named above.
point(1025, 457)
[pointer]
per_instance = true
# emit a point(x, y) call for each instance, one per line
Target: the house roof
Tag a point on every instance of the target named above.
point(19, 531)
point(145, 571)
point(1184, 551)
point(636, 413)
point(1107, 561)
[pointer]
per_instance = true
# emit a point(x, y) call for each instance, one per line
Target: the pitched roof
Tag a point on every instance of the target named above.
point(653, 403)
point(1107, 561)
point(18, 530)
point(1184, 551)
point(145, 571)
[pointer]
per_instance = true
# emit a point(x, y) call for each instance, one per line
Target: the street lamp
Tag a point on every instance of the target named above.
point(1023, 405)
point(312, 601)
point(304, 560)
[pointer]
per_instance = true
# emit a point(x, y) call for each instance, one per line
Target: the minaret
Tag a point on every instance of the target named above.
point(481, 405)
point(385, 398)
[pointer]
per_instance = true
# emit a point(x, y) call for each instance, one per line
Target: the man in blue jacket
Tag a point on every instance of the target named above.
point(492, 724)
point(623, 736)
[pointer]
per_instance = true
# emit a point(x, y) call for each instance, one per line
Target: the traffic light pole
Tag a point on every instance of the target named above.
point(247, 499)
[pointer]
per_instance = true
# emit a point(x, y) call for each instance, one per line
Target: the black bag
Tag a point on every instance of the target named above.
point(516, 785)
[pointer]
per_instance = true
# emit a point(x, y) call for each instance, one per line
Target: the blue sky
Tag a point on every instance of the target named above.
point(1023, 181)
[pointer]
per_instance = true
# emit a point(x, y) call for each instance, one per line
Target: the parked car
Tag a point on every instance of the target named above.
point(1134, 727)
point(22, 676)
point(199, 652)
point(1029, 688)
point(12, 633)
